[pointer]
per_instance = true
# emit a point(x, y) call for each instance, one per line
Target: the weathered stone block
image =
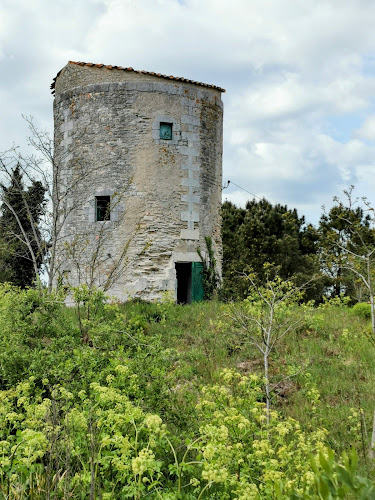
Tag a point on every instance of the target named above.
point(189, 234)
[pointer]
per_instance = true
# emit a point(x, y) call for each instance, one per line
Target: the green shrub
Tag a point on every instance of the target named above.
point(30, 321)
point(140, 407)
point(362, 309)
point(96, 441)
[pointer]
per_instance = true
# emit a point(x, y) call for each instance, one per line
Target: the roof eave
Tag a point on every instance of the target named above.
point(151, 73)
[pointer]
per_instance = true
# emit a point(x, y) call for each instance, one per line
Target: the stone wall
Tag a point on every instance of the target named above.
point(165, 194)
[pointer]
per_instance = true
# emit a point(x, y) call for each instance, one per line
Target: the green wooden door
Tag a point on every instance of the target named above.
point(197, 292)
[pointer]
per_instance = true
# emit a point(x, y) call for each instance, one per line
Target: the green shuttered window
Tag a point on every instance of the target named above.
point(166, 131)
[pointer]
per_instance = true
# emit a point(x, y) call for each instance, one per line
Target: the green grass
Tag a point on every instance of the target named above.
point(176, 349)
point(329, 350)
point(321, 373)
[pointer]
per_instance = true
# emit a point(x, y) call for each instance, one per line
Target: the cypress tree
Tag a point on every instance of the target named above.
point(20, 234)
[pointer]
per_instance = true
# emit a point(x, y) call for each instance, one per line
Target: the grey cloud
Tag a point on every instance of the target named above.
point(287, 67)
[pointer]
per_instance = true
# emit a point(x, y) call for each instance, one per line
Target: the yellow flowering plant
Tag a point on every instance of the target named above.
point(101, 439)
point(99, 442)
point(244, 452)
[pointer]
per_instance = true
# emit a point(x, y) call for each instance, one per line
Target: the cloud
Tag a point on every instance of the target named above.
point(367, 130)
point(299, 116)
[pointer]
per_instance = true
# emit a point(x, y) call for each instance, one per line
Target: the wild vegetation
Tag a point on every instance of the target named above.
point(264, 392)
point(336, 257)
point(164, 401)
point(21, 247)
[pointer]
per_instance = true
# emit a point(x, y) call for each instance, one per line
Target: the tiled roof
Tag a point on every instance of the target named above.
point(159, 75)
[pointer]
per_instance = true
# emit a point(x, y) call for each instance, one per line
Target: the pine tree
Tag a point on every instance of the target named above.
point(22, 249)
point(265, 233)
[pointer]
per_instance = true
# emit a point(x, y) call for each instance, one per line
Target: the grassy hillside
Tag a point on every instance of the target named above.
point(165, 401)
point(329, 352)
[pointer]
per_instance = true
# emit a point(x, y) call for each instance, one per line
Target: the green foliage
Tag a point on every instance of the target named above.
point(29, 319)
point(166, 401)
point(97, 436)
point(109, 447)
point(211, 278)
point(89, 304)
point(267, 315)
point(20, 240)
point(362, 309)
point(344, 232)
point(245, 451)
point(262, 233)
point(337, 480)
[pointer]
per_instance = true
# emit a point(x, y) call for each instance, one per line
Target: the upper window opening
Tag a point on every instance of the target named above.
point(103, 208)
point(166, 131)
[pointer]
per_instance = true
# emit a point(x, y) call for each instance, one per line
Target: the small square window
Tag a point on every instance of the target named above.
point(103, 208)
point(166, 131)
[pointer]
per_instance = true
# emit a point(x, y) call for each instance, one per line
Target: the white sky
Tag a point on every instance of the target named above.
point(299, 118)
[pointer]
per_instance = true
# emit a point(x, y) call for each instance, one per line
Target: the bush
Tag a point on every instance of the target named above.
point(107, 445)
point(362, 309)
point(136, 407)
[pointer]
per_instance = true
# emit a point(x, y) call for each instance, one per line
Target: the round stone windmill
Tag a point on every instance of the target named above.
point(138, 178)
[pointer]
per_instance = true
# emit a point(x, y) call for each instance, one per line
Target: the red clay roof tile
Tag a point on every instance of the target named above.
point(159, 75)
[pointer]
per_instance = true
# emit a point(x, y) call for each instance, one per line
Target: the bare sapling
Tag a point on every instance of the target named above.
point(266, 316)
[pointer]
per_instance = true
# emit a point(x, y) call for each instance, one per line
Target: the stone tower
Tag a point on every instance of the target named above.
point(138, 176)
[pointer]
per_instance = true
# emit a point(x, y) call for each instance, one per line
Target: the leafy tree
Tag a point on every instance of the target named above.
point(345, 232)
point(349, 250)
point(22, 251)
point(262, 233)
point(232, 220)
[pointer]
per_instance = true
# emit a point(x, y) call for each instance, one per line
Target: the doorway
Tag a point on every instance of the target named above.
point(189, 277)
point(183, 275)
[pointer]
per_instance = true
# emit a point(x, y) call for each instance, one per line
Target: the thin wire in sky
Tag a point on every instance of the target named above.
point(243, 189)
